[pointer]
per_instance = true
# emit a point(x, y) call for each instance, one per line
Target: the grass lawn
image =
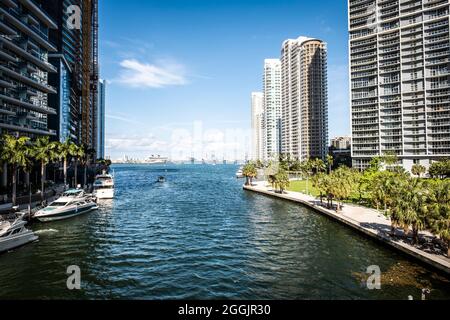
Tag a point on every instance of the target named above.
point(300, 186)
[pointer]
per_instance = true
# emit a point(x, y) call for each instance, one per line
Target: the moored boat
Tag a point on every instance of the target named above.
point(72, 203)
point(104, 186)
point(13, 232)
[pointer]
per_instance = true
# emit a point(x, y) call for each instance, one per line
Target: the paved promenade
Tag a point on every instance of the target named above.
point(368, 221)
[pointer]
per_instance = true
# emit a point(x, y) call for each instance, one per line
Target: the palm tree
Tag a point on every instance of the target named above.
point(326, 187)
point(45, 152)
point(381, 188)
point(318, 165)
point(272, 180)
point(319, 183)
point(418, 170)
point(282, 180)
point(249, 171)
point(409, 206)
point(66, 150)
point(15, 151)
point(84, 161)
point(306, 168)
point(79, 152)
point(90, 155)
point(440, 211)
point(330, 162)
point(343, 183)
point(390, 160)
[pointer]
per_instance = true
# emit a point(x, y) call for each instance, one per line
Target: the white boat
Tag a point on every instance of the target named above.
point(72, 203)
point(240, 173)
point(104, 186)
point(156, 160)
point(13, 232)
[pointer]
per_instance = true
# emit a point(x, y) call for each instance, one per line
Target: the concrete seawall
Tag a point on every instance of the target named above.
point(365, 220)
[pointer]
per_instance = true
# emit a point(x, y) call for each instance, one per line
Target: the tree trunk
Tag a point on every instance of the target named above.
point(448, 248)
point(26, 179)
point(76, 173)
point(246, 181)
point(415, 234)
point(65, 172)
point(42, 180)
point(85, 175)
point(4, 182)
point(14, 184)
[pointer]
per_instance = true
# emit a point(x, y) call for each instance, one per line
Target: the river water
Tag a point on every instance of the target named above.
point(200, 236)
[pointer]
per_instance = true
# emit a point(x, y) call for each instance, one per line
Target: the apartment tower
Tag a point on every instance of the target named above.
point(24, 68)
point(400, 80)
point(272, 108)
point(76, 40)
point(257, 126)
point(304, 125)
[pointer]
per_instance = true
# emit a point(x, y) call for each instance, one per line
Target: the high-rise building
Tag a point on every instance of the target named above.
point(400, 80)
point(65, 122)
point(257, 126)
point(304, 98)
point(68, 61)
point(77, 60)
point(24, 68)
point(100, 145)
point(341, 142)
point(272, 108)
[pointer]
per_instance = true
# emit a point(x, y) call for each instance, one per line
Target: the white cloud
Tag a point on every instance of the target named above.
point(122, 118)
point(181, 143)
point(145, 75)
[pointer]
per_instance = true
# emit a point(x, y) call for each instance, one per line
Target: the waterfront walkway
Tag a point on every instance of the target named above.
point(23, 201)
point(368, 221)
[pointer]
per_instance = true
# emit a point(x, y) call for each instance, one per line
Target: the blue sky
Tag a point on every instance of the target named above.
point(180, 72)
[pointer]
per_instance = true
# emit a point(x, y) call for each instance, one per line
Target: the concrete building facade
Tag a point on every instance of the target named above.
point(399, 80)
point(304, 124)
point(272, 108)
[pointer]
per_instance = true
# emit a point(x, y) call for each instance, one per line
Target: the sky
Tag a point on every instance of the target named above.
point(180, 72)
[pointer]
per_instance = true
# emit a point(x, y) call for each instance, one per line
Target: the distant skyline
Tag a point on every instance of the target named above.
point(180, 73)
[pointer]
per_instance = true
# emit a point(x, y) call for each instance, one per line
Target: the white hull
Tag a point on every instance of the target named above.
point(104, 186)
point(104, 193)
point(61, 215)
point(16, 241)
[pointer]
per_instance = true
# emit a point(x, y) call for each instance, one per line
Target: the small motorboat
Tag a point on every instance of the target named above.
point(72, 203)
point(13, 232)
point(240, 173)
point(161, 179)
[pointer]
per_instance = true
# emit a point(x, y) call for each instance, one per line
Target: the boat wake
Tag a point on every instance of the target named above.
point(44, 231)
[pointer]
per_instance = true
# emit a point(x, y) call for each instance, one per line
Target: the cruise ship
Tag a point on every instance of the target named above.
point(156, 160)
